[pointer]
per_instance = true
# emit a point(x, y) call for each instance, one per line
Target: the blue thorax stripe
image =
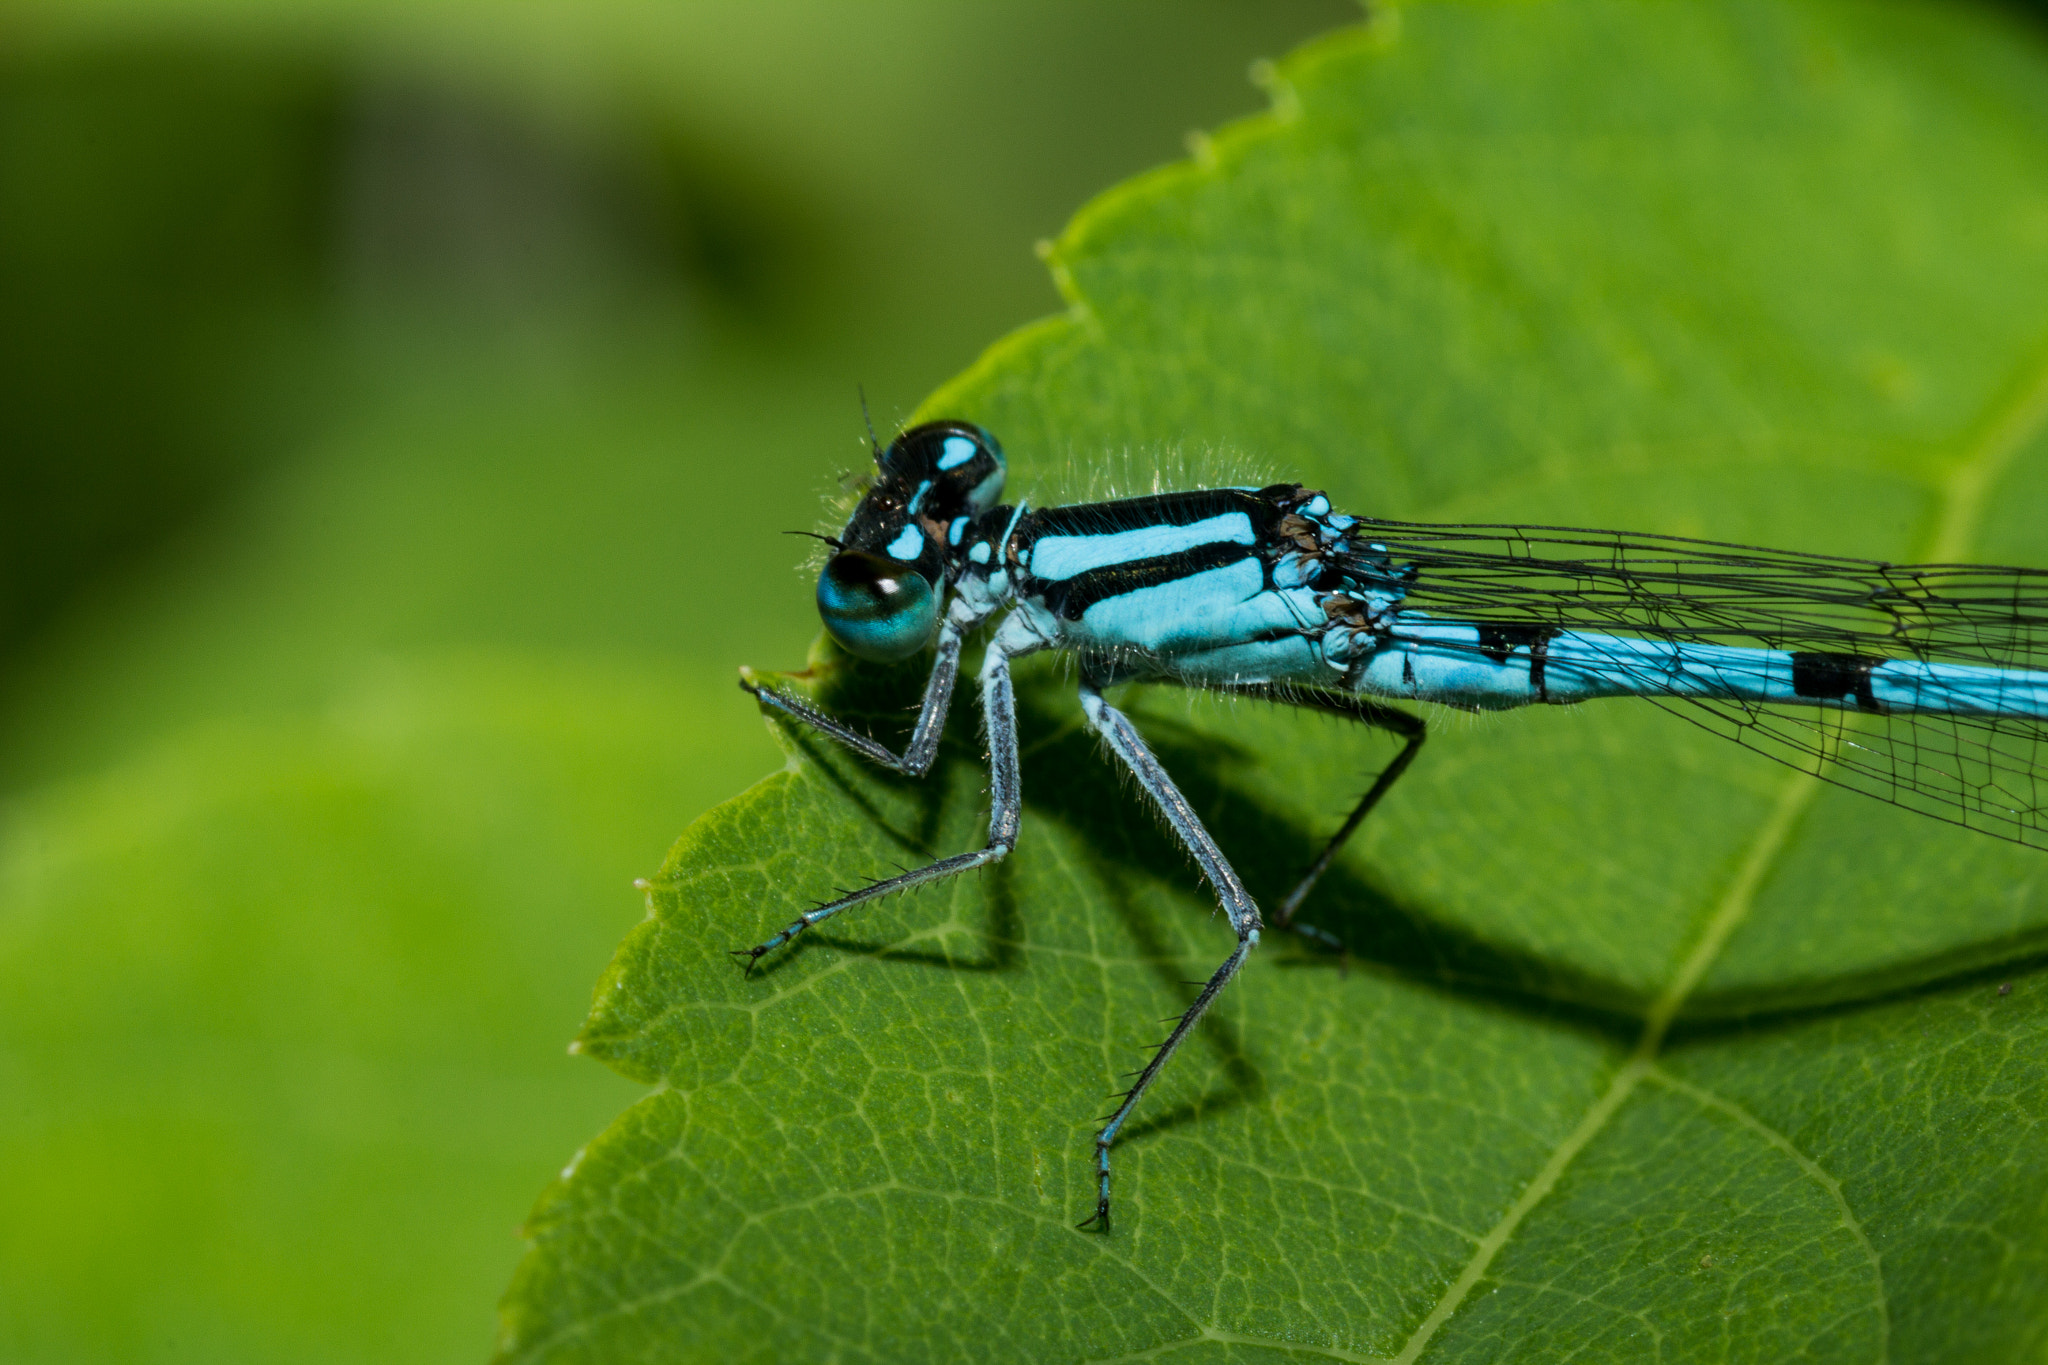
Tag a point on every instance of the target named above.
point(1057, 557)
point(1071, 597)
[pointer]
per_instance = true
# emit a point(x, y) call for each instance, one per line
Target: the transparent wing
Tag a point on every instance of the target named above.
point(1985, 773)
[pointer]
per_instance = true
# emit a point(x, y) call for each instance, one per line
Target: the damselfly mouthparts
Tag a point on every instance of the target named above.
point(1925, 686)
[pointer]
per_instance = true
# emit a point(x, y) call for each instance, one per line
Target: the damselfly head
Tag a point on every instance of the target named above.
point(879, 595)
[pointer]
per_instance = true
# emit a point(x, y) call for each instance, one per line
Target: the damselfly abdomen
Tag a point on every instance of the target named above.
point(1926, 686)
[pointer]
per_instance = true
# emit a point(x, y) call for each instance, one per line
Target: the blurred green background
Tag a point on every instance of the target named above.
point(400, 406)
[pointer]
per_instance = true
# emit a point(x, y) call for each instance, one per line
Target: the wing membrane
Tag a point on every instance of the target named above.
point(1985, 773)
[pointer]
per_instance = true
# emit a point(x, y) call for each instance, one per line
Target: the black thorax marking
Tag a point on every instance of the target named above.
point(1070, 597)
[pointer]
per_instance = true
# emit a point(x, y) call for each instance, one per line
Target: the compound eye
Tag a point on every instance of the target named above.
point(966, 463)
point(875, 607)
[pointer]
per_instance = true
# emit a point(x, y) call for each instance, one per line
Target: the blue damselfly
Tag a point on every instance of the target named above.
point(1925, 686)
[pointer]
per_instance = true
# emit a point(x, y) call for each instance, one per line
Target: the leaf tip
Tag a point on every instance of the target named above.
point(1286, 104)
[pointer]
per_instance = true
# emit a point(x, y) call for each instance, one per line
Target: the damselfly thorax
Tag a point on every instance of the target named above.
point(1926, 686)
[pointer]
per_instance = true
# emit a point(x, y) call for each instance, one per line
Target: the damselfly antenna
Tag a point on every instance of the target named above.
point(874, 442)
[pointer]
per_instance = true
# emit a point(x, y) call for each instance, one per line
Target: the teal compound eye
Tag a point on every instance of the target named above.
point(957, 465)
point(877, 608)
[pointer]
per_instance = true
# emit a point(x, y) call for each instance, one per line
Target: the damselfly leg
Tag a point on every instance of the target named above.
point(1412, 730)
point(999, 708)
point(916, 758)
point(1127, 744)
point(1124, 740)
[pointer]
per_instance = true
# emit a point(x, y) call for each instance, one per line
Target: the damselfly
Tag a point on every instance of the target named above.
point(1925, 686)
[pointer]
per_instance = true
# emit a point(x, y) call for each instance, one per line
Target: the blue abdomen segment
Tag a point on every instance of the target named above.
point(1499, 667)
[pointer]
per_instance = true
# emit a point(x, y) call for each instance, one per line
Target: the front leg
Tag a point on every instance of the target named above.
point(1125, 741)
point(916, 758)
point(1006, 802)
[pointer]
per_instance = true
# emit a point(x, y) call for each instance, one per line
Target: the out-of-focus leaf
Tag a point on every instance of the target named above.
point(1767, 272)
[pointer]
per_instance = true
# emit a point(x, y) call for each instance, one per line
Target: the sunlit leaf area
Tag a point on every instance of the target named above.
point(404, 408)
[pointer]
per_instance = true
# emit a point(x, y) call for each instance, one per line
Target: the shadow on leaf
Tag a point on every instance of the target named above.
point(1068, 778)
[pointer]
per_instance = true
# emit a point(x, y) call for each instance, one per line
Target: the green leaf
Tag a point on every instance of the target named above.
point(1646, 1048)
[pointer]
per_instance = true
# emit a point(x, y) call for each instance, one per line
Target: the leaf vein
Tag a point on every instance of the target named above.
point(1813, 1169)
